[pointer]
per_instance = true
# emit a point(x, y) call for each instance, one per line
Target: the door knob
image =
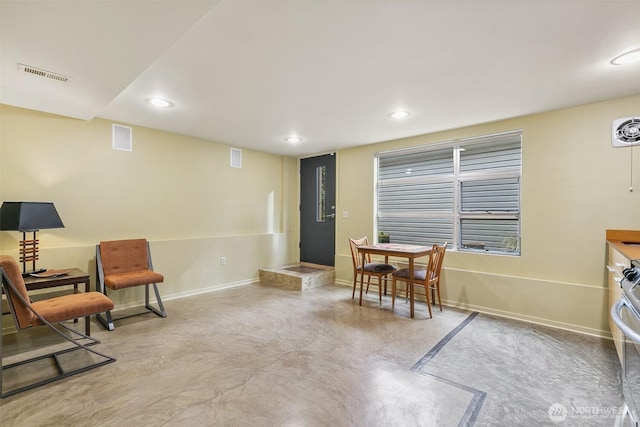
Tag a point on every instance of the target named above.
point(330, 216)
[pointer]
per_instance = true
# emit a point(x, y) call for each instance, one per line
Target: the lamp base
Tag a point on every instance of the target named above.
point(29, 273)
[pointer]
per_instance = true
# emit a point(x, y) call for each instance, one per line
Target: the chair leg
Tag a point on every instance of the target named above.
point(426, 293)
point(160, 310)
point(380, 288)
point(394, 291)
point(108, 322)
point(61, 372)
point(438, 292)
point(355, 279)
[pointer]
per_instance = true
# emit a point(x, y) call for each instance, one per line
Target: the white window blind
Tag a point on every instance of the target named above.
point(463, 192)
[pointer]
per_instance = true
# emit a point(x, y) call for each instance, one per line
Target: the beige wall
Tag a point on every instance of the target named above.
point(574, 187)
point(178, 192)
point(181, 194)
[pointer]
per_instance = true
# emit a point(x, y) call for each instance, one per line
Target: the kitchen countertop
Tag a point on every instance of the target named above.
point(625, 241)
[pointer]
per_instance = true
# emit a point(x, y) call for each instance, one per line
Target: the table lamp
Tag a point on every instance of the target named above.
point(29, 217)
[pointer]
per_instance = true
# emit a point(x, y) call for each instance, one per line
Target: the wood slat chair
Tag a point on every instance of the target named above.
point(27, 314)
point(379, 270)
point(123, 264)
point(428, 278)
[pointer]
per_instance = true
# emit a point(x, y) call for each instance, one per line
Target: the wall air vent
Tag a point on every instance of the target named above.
point(121, 138)
point(43, 73)
point(625, 132)
point(236, 158)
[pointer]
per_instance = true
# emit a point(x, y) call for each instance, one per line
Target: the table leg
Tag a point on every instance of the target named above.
point(364, 257)
point(411, 286)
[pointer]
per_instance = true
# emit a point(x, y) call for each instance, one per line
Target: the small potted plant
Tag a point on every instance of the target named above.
point(383, 237)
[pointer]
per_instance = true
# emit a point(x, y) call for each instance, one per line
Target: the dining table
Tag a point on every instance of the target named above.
point(399, 250)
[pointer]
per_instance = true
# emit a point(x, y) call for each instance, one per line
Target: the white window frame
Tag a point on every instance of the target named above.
point(510, 244)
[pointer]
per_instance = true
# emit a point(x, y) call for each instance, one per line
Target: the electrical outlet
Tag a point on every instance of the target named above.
point(223, 260)
point(345, 214)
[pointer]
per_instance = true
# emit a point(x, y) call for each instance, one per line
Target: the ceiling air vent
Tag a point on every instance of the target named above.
point(43, 73)
point(625, 132)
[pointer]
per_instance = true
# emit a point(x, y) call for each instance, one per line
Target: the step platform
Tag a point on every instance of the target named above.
point(298, 277)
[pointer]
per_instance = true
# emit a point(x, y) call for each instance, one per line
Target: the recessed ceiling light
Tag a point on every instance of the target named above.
point(293, 139)
point(160, 102)
point(627, 57)
point(400, 114)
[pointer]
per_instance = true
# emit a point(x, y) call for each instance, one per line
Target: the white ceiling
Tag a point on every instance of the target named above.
point(249, 73)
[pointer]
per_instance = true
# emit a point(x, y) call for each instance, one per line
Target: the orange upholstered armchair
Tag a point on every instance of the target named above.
point(123, 264)
point(27, 314)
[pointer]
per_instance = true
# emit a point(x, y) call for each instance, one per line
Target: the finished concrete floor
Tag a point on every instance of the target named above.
point(261, 356)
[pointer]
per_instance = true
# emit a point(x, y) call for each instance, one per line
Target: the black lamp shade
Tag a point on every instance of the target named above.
point(29, 216)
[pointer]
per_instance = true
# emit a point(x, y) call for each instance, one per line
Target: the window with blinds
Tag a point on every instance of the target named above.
point(464, 192)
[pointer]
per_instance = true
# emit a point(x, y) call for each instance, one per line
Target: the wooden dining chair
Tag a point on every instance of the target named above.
point(379, 270)
point(428, 278)
point(50, 313)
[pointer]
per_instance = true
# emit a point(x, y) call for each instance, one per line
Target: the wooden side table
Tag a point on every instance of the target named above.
point(74, 277)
